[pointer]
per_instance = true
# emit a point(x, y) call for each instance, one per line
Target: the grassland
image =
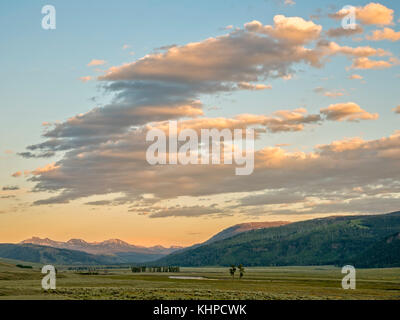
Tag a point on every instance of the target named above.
point(258, 283)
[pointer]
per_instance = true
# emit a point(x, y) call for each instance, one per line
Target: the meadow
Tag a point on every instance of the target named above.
point(272, 283)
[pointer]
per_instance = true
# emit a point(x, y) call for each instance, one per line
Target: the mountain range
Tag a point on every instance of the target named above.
point(113, 251)
point(362, 241)
point(111, 246)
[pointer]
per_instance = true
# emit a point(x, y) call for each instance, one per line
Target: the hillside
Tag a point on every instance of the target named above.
point(385, 252)
point(45, 254)
point(235, 230)
point(243, 227)
point(334, 240)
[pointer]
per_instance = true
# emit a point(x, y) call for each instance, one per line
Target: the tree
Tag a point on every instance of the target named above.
point(241, 271)
point(232, 271)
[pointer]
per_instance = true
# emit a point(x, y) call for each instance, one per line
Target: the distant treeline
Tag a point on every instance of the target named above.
point(24, 267)
point(94, 269)
point(155, 269)
point(86, 268)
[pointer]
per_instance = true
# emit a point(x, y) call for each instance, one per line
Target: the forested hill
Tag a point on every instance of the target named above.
point(365, 241)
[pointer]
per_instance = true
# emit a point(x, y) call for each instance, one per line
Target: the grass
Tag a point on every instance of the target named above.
point(258, 283)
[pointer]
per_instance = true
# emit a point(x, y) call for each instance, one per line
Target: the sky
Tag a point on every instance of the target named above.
point(77, 101)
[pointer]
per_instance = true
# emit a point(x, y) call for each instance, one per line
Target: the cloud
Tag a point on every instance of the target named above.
point(341, 32)
point(347, 112)
point(292, 29)
point(249, 86)
point(17, 174)
point(332, 48)
point(385, 34)
point(370, 14)
point(10, 188)
point(99, 203)
point(333, 94)
point(375, 13)
point(31, 155)
point(279, 121)
point(96, 62)
point(253, 54)
point(359, 55)
point(241, 56)
point(186, 211)
point(332, 172)
point(111, 121)
point(126, 46)
point(46, 169)
point(276, 197)
point(330, 94)
point(366, 63)
point(355, 77)
point(86, 78)
point(102, 151)
point(289, 2)
point(167, 47)
point(397, 109)
point(168, 85)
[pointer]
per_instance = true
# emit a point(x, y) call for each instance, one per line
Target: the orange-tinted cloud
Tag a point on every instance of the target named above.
point(385, 34)
point(328, 93)
point(250, 86)
point(47, 168)
point(240, 56)
point(356, 77)
point(17, 174)
point(347, 112)
point(279, 121)
point(96, 62)
point(375, 13)
point(366, 51)
point(366, 63)
point(85, 79)
point(372, 13)
point(292, 29)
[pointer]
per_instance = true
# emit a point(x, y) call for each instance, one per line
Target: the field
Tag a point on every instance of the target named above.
point(213, 283)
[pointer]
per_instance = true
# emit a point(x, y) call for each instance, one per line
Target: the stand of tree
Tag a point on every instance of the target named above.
point(232, 271)
point(155, 269)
